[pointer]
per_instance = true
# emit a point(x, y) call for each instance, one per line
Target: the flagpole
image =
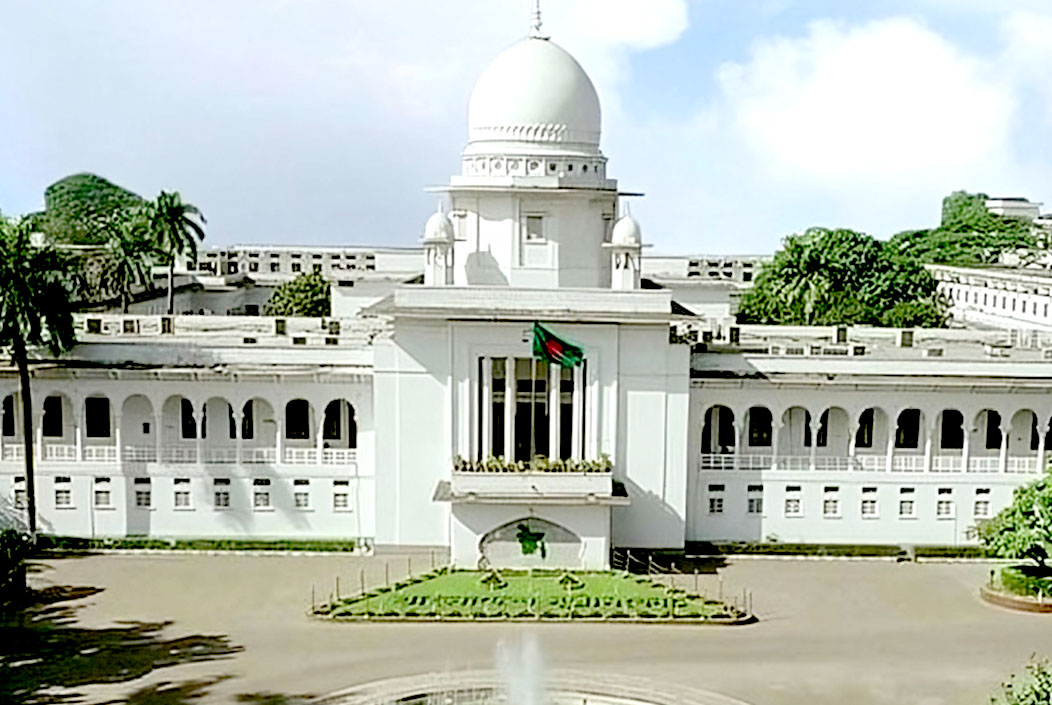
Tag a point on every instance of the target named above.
point(533, 408)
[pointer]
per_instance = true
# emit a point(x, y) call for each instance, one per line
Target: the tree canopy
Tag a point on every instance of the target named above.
point(837, 276)
point(306, 295)
point(1023, 529)
point(74, 206)
point(826, 277)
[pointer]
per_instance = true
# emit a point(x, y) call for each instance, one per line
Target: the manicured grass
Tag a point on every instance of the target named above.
point(523, 595)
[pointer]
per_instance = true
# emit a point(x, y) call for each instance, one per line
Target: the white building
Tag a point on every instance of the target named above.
point(399, 420)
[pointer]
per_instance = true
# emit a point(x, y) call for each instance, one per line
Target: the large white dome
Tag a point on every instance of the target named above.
point(535, 93)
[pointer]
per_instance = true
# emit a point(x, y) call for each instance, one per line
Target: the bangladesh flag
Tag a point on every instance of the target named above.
point(548, 346)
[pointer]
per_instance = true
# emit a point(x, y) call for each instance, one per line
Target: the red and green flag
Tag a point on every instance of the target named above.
point(548, 346)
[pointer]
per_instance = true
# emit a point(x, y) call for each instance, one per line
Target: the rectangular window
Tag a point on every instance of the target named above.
point(9, 416)
point(906, 508)
point(340, 500)
point(534, 228)
point(982, 508)
point(181, 496)
point(759, 427)
point(830, 506)
point(333, 419)
point(302, 500)
point(869, 507)
point(498, 397)
point(296, 267)
point(143, 499)
point(103, 496)
point(97, 417)
point(793, 507)
point(715, 505)
point(755, 505)
point(531, 409)
point(944, 508)
point(275, 267)
point(222, 498)
point(52, 421)
point(63, 497)
point(952, 431)
point(261, 494)
point(20, 498)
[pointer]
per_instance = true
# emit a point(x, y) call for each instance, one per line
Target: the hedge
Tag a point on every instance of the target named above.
point(1024, 580)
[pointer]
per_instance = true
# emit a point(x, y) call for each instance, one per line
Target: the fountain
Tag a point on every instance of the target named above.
point(520, 678)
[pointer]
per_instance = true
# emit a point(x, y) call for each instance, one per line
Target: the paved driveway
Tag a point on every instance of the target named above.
point(830, 632)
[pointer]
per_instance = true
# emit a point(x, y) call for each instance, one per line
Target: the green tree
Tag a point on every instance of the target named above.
point(75, 206)
point(826, 277)
point(35, 311)
point(1023, 529)
point(176, 227)
point(306, 295)
point(126, 261)
point(1032, 688)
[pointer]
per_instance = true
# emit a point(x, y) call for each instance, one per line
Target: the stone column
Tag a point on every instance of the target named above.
point(739, 437)
point(929, 433)
point(554, 409)
point(578, 411)
point(158, 434)
point(889, 453)
point(486, 409)
point(279, 436)
point(1039, 462)
point(239, 418)
point(509, 408)
point(966, 451)
point(776, 430)
point(1002, 465)
point(117, 437)
point(816, 426)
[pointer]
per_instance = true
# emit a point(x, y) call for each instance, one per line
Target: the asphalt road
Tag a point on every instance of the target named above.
point(830, 632)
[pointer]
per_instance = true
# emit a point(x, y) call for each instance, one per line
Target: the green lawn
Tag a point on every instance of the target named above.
point(522, 595)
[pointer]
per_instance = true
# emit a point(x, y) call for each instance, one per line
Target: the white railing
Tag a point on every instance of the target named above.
point(947, 463)
point(219, 456)
point(14, 452)
point(871, 463)
point(907, 463)
point(835, 464)
point(988, 464)
point(139, 454)
point(100, 454)
point(60, 453)
point(179, 455)
point(338, 456)
point(301, 456)
point(716, 462)
point(259, 456)
point(1020, 466)
point(755, 462)
point(794, 463)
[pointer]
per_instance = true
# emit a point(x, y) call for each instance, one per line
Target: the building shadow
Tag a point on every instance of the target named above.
point(46, 656)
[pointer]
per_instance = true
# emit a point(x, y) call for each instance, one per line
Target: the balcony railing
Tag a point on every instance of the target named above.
point(301, 456)
point(185, 454)
point(99, 454)
point(259, 456)
point(59, 453)
point(912, 463)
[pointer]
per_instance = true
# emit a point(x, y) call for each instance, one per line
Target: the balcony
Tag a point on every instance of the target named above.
point(183, 454)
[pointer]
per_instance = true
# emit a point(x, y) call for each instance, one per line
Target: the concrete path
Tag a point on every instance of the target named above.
point(864, 633)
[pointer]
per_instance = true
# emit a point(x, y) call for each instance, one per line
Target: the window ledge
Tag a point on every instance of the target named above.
point(263, 509)
point(104, 508)
point(908, 517)
point(65, 508)
point(184, 509)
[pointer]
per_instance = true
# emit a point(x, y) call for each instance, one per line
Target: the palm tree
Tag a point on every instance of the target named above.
point(125, 263)
point(35, 311)
point(175, 227)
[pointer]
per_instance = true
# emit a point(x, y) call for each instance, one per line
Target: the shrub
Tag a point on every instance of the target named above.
point(1026, 580)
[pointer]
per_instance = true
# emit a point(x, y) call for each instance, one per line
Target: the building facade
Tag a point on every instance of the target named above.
point(420, 413)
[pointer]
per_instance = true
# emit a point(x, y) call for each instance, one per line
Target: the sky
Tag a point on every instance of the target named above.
point(322, 121)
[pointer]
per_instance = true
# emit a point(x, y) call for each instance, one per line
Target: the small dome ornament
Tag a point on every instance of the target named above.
point(627, 232)
point(439, 228)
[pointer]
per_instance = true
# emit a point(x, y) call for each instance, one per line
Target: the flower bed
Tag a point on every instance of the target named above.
point(536, 595)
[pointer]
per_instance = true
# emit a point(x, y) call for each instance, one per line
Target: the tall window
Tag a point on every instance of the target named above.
point(717, 434)
point(530, 415)
point(52, 422)
point(531, 409)
point(97, 417)
point(907, 431)
point(864, 435)
point(9, 416)
point(534, 228)
point(187, 422)
point(297, 420)
point(993, 429)
point(952, 434)
point(248, 425)
point(331, 425)
point(760, 422)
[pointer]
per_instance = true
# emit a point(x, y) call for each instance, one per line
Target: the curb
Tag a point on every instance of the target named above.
point(1014, 602)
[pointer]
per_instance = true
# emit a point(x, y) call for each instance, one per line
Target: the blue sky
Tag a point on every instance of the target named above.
point(319, 121)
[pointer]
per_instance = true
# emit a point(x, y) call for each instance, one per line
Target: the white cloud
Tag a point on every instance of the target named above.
point(889, 102)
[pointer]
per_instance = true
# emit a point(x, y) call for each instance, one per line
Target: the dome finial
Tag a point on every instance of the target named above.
point(535, 24)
